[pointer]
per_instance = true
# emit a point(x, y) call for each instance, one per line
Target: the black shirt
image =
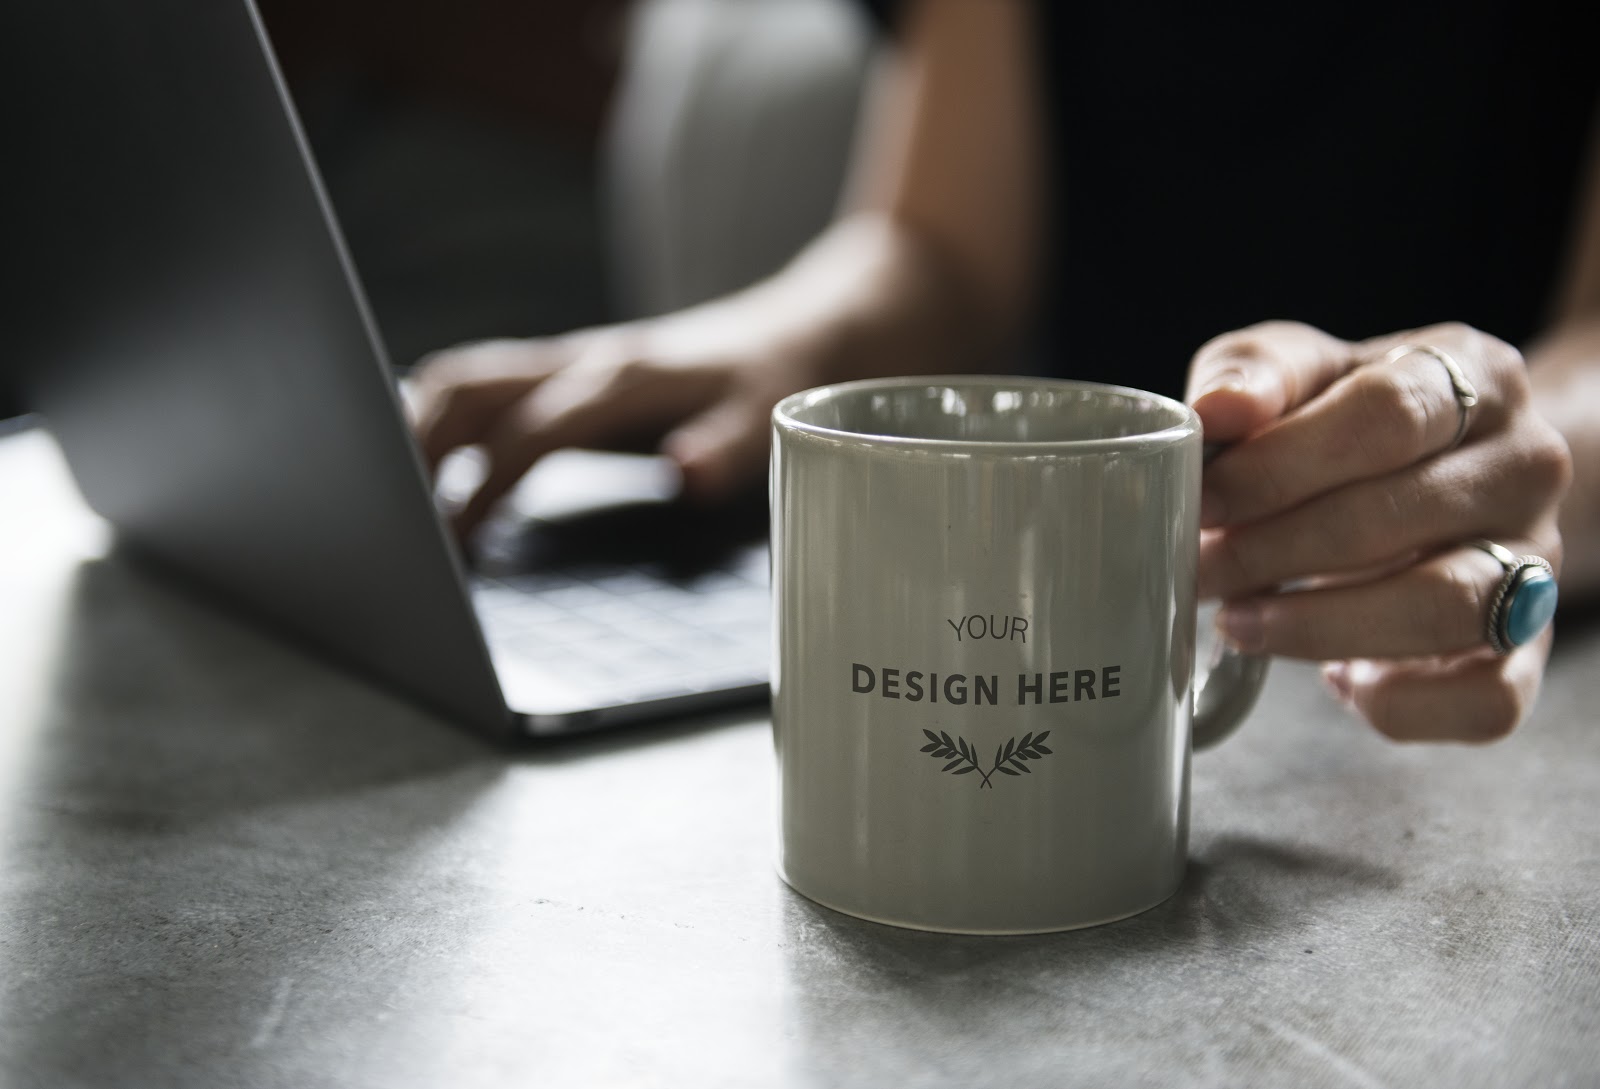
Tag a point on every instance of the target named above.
point(1365, 167)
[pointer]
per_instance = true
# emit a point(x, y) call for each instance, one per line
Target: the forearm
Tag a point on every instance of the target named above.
point(931, 267)
point(873, 297)
point(867, 298)
point(1565, 371)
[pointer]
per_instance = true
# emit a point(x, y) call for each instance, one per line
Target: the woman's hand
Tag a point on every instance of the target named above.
point(699, 384)
point(1336, 523)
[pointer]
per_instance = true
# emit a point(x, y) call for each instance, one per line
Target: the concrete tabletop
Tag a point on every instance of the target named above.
point(224, 863)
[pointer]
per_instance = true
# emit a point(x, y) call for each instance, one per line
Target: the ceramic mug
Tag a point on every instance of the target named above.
point(984, 682)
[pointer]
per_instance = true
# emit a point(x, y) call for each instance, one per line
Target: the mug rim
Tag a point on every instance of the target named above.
point(783, 416)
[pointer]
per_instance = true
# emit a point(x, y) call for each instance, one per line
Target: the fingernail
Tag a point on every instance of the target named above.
point(1229, 381)
point(1242, 378)
point(1336, 675)
point(1213, 511)
point(1241, 625)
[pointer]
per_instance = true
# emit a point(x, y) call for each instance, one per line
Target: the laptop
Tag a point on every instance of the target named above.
point(194, 334)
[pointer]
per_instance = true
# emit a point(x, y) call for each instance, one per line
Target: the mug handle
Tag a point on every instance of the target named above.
point(1227, 692)
point(1230, 685)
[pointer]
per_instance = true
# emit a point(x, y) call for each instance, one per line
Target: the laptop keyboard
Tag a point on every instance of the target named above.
point(627, 633)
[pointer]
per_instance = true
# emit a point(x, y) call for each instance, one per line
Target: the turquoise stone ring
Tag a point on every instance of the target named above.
point(1523, 602)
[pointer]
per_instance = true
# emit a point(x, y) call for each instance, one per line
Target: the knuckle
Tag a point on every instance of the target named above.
point(1506, 360)
point(1501, 363)
point(433, 373)
point(1454, 605)
point(1395, 416)
point(1241, 568)
point(1455, 333)
point(1509, 374)
point(465, 400)
point(627, 371)
point(1453, 337)
point(447, 393)
point(426, 369)
point(454, 374)
point(440, 400)
point(1549, 467)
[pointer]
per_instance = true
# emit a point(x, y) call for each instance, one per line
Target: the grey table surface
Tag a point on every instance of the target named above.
point(224, 863)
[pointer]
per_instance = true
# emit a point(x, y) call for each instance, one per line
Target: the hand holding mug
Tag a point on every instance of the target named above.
point(1353, 517)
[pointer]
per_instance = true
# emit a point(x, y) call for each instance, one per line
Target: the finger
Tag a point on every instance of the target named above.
point(1385, 414)
point(1494, 490)
point(600, 406)
point(722, 449)
point(1241, 381)
point(1477, 697)
point(461, 391)
point(1438, 606)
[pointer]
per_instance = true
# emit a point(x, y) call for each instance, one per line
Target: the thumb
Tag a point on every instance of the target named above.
point(721, 449)
point(1241, 381)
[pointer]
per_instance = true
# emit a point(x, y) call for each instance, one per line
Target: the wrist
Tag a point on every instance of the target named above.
point(875, 298)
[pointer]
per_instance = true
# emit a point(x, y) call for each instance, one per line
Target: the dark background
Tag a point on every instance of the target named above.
point(458, 142)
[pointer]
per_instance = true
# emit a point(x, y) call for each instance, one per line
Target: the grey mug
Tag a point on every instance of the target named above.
point(984, 686)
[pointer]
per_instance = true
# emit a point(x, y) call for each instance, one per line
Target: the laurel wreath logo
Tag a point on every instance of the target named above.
point(1009, 759)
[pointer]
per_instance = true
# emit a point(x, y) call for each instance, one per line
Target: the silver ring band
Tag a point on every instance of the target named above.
point(1466, 396)
point(1524, 600)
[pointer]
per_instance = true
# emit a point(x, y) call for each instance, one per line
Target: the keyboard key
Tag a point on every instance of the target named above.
point(625, 635)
